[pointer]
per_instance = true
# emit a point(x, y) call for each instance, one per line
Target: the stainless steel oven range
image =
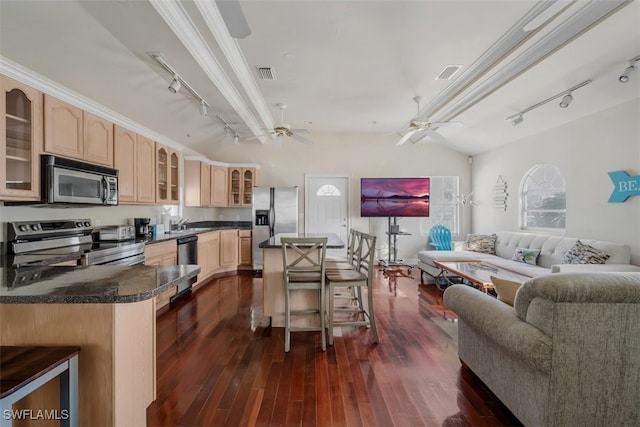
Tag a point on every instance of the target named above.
point(33, 242)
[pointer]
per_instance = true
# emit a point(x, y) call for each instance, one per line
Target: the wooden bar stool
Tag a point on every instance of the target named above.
point(304, 269)
point(361, 277)
point(348, 263)
point(25, 369)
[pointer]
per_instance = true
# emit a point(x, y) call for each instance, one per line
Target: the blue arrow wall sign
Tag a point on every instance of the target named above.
point(624, 185)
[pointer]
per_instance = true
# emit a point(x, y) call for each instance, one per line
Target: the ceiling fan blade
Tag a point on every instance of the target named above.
point(406, 137)
point(301, 139)
point(277, 142)
point(258, 136)
point(234, 18)
point(433, 135)
point(300, 130)
point(447, 124)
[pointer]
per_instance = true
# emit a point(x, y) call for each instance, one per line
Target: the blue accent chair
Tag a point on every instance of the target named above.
point(440, 238)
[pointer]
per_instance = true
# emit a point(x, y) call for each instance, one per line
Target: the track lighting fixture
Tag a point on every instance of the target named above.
point(566, 100)
point(229, 130)
point(517, 120)
point(633, 66)
point(178, 82)
point(174, 87)
point(567, 97)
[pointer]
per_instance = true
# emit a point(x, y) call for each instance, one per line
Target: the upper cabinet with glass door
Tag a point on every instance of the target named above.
point(20, 141)
point(241, 182)
point(167, 176)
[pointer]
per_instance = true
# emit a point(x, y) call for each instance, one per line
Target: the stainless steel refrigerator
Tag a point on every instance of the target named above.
point(275, 210)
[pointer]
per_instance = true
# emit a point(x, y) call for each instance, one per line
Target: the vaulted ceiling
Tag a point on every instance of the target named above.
point(340, 66)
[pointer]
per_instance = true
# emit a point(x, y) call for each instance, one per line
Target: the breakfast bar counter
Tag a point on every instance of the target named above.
point(273, 280)
point(107, 311)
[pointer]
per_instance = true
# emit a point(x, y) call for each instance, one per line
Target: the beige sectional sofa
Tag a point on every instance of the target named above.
point(552, 250)
point(567, 353)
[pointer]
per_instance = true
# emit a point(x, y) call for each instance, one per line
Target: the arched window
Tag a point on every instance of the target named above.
point(544, 198)
point(328, 190)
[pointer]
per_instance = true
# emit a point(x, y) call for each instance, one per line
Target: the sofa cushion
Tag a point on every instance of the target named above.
point(584, 254)
point(483, 243)
point(553, 248)
point(528, 256)
point(506, 289)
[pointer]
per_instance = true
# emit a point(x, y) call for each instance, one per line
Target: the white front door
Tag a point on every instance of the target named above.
point(327, 207)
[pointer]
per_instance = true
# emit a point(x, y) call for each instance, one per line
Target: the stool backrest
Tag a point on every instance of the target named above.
point(304, 257)
point(366, 253)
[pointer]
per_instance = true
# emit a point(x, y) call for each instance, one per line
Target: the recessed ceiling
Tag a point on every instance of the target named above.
point(339, 65)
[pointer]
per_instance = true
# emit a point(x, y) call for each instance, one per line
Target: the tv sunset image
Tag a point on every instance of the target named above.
point(391, 197)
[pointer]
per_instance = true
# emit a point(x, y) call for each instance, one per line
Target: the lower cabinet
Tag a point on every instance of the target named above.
point(162, 253)
point(245, 259)
point(229, 249)
point(208, 255)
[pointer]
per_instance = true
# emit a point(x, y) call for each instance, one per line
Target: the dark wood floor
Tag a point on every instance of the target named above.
point(221, 364)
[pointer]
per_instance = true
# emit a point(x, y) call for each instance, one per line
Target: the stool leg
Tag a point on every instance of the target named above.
point(287, 322)
point(372, 318)
point(331, 308)
point(322, 309)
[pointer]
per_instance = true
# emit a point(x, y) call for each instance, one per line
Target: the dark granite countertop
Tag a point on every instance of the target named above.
point(333, 242)
point(93, 284)
point(195, 228)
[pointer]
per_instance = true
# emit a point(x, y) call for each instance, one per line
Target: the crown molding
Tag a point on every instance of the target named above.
point(180, 23)
point(230, 49)
point(43, 84)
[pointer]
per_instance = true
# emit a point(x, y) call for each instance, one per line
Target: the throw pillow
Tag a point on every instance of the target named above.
point(584, 254)
point(483, 243)
point(528, 256)
point(506, 289)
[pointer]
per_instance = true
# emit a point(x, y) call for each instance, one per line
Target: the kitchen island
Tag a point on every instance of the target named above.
point(109, 311)
point(273, 280)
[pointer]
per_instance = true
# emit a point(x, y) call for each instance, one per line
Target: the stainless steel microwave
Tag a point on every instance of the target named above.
point(66, 181)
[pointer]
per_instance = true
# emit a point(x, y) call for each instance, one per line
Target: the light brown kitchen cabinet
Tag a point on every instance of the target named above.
point(219, 186)
point(229, 248)
point(20, 141)
point(145, 173)
point(124, 159)
point(197, 183)
point(245, 248)
point(162, 253)
point(63, 133)
point(167, 174)
point(208, 255)
point(97, 140)
point(241, 182)
point(73, 133)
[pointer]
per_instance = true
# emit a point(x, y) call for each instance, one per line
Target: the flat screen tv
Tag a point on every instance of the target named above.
point(392, 197)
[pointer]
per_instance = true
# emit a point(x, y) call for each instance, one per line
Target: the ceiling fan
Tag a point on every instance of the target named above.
point(424, 126)
point(280, 130)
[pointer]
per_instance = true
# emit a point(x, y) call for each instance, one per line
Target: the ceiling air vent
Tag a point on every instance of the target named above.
point(448, 72)
point(266, 73)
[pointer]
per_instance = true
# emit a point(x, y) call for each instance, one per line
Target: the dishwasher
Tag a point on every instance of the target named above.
point(187, 254)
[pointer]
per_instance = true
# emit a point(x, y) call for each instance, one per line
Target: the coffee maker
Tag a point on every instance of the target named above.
point(142, 227)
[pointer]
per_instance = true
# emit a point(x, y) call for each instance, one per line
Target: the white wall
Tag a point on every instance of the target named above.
point(356, 156)
point(352, 155)
point(585, 150)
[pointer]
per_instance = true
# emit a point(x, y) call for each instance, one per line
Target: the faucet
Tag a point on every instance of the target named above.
point(182, 223)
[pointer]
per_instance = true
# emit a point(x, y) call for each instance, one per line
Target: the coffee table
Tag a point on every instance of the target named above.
point(477, 272)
